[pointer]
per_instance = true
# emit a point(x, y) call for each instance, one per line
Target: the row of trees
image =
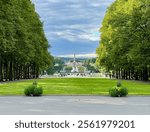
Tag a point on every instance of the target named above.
point(23, 45)
point(90, 65)
point(125, 40)
point(58, 65)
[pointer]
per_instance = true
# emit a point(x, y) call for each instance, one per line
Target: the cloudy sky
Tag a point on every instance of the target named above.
point(71, 26)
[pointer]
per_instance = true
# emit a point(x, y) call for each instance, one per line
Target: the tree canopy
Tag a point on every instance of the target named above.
point(23, 45)
point(125, 40)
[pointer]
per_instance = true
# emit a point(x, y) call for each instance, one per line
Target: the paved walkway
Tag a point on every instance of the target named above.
point(71, 105)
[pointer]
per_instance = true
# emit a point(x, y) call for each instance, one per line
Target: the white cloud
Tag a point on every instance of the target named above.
point(90, 55)
point(73, 36)
point(72, 20)
point(63, 17)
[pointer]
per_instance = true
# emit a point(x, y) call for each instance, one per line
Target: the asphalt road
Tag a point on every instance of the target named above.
point(74, 105)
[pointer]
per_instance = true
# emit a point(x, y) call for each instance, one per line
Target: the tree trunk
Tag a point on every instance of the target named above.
point(145, 74)
point(11, 71)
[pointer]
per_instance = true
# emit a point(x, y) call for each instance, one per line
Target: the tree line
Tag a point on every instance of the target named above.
point(125, 40)
point(23, 45)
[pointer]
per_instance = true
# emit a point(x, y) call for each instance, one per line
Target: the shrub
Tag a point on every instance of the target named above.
point(123, 91)
point(118, 91)
point(119, 84)
point(29, 91)
point(38, 91)
point(114, 92)
point(33, 90)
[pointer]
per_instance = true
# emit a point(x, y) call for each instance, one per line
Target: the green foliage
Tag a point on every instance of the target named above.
point(90, 65)
point(38, 91)
point(123, 91)
point(33, 90)
point(114, 92)
point(29, 91)
point(125, 42)
point(58, 65)
point(118, 91)
point(119, 84)
point(68, 69)
point(23, 45)
point(81, 69)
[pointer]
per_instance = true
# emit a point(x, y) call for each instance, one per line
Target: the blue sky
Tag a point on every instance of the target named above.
point(72, 26)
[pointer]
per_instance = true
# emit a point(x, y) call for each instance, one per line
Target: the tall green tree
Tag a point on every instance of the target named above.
point(23, 45)
point(125, 43)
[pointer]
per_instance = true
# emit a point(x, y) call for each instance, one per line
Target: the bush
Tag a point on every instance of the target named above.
point(114, 92)
point(119, 84)
point(123, 91)
point(118, 91)
point(29, 91)
point(33, 90)
point(38, 91)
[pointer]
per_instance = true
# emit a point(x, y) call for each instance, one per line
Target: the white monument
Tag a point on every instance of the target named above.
point(74, 65)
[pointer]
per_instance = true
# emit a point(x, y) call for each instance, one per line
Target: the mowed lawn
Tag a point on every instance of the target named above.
point(74, 86)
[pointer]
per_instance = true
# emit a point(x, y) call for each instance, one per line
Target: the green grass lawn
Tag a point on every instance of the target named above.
point(70, 86)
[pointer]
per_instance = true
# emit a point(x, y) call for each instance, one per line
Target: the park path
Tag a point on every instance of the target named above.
point(74, 105)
